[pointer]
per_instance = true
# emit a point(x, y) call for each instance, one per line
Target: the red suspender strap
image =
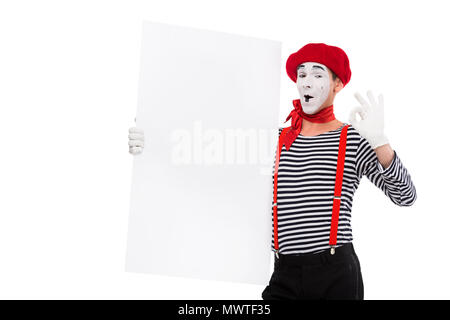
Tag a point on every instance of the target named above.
point(275, 188)
point(338, 188)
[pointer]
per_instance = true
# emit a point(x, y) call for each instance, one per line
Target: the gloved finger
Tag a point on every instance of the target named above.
point(371, 98)
point(361, 100)
point(381, 106)
point(353, 112)
point(136, 130)
point(136, 136)
point(381, 100)
point(136, 150)
point(362, 113)
point(364, 104)
point(135, 143)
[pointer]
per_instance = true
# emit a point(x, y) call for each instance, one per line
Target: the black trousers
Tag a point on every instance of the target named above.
point(317, 276)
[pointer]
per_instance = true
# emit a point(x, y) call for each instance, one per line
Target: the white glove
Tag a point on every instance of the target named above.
point(135, 140)
point(371, 125)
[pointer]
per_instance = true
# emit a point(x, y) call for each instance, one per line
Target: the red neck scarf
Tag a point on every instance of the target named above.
point(297, 115)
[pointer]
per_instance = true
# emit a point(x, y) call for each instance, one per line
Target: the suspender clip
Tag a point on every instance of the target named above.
point(333, 250)
point(276, 254)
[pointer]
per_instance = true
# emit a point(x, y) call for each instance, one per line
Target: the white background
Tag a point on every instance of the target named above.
point(68, 93)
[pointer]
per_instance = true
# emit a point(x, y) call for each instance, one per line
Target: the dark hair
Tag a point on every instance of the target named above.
point(334, 76)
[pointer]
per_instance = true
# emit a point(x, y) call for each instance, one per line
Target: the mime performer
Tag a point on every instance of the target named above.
point(318, 166)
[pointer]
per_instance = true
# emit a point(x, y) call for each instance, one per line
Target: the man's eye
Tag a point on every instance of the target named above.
point(318, 76)
point(301, 75)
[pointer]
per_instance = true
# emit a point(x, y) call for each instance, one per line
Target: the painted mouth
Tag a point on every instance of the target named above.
point(307, 97)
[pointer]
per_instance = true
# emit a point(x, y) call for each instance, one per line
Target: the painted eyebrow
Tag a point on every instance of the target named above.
point(315, 66)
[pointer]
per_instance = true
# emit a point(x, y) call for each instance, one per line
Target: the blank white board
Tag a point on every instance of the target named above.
point(202, 188)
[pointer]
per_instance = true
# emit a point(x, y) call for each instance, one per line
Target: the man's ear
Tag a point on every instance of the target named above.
point(338, 85)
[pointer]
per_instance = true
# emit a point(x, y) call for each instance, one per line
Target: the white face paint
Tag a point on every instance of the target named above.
point(313, 84)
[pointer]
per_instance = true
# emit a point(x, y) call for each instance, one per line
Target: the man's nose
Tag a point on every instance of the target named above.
point(307, 84)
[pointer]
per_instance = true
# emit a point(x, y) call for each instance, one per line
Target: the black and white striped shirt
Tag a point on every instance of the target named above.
point(306, 179)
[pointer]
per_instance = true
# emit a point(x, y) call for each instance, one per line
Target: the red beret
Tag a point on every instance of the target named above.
point(333, 57)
